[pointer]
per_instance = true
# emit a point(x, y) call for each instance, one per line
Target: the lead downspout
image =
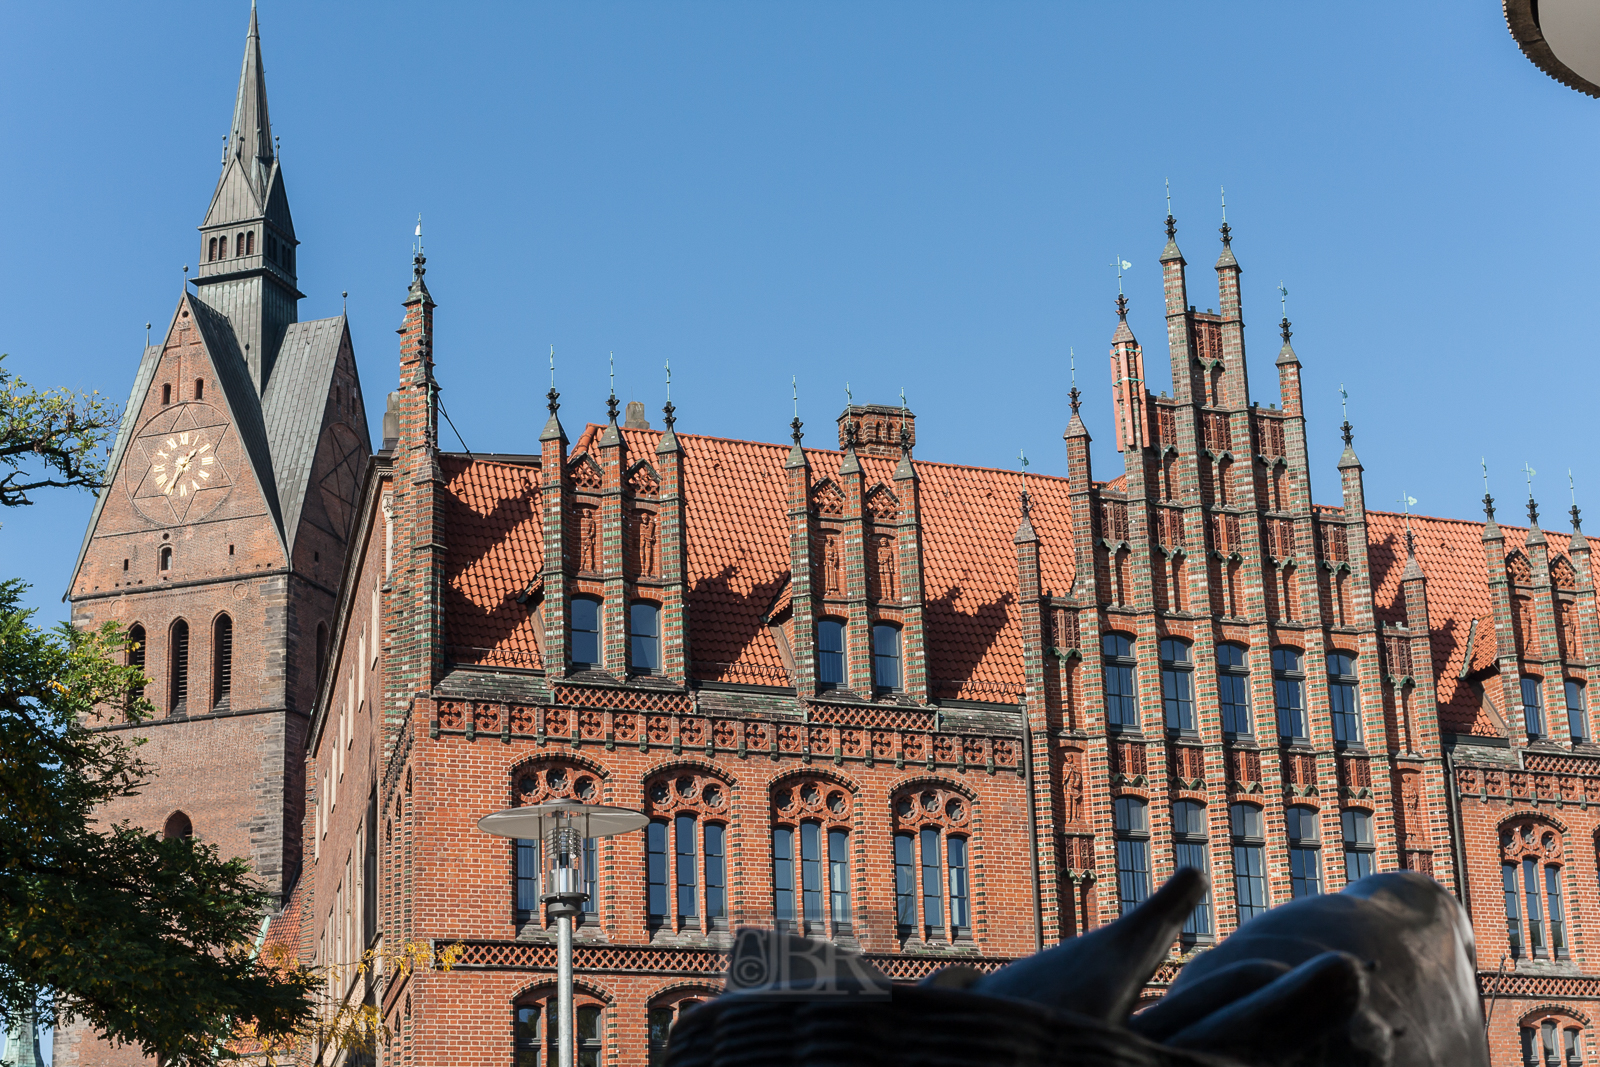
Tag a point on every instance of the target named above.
point(1033, 828)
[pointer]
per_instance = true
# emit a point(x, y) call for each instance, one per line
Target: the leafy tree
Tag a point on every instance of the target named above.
point(149, 940)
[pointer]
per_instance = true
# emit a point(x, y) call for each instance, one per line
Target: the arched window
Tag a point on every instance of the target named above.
point(644, 637)
point(166, 393)
point(536, 784)
point(886, 656)
point(1131, 824)
point(250, 243)
point(1533, 707)
point(1342, 683)
point(178, 701)
point(1192, 847)
point(585, 633)
point(686, 851)
point(1305, 852)
point(211, 251)
point(1531, 854)
point(1122, 700)
point(199, 388)
point(178, 825)
point(1249, 860)
point(136, 653)
point(1177, 688)
point(165, 558)
point(221, 661)
point(1577, 711)
point(932, 852)
point(1233, 683)
point(1356, 828)
point(1551, 1042)
point(536, 1032)
point(1289, 689)
point(662, 1017)
point(322, 650)
point(830, 653)
point(238, 244)
point(811, 857)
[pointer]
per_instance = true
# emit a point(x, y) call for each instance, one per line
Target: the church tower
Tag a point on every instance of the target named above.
point(219, 538)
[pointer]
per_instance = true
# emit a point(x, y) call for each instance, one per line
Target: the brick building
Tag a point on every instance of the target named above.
point(935, 712)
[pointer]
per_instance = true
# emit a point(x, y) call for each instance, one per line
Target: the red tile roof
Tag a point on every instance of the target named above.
point(736, 508)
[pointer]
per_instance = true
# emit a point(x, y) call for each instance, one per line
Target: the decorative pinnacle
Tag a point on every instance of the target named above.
point(1533, 512)
point(552, 399)
point(1349, 434)
point(1172, 228)
point(850, 429)
point(1284, 326)
point(1573, 511)
point(905, 434)
point(611, 408)
point(1533, 508)
point(1488, 506)
point(1573, 489)
point(1027, 505)
point(667, 415)
point(1075, 398)
point(794, 429)
point(1226, 230)
point(1122, 307)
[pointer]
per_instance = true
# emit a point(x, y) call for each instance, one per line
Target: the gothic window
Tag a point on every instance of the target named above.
point(536, 1033)
point(1233, 683)
point(1531, 862)
point(663, 1016)
point(1533, 707)
point(1305, 852)
point(932, 854)
point(250, 243)
point(165, 557)
point(686, 852)
point(221, 661)
point(1342, 682)
point(585, 632)
point(1356, 829)
point(644, 637)
point(535, 785)
point(199, 388)
point(886, 656)
point(1131, 824)
point(830, 653)
point(178, 697)
point(178, 826)
point(811, 857)
point(1122, 701)
point(166, 393)
point(238, 244)
point(1177, 685)
point(1249, 860)
point(1289, 692)
point(1191, 844)
point(136, 654)
point(1551, 1043)
point(1577, 711)
point(211, 251)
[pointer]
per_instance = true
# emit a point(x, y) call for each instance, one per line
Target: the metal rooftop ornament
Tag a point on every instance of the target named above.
point(794, 427)
point(1226, 230)
point(1533, 508)
point(1172, 224)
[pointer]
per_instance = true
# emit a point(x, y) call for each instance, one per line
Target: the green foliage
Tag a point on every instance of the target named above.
point(54, 432)
point(149, 940)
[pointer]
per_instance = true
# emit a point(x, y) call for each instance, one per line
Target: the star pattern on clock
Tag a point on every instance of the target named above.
point(182, 478)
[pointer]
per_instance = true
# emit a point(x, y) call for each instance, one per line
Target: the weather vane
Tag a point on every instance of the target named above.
point(552, 366)
point(1072, 364)
point(849, 398)
point(1344, 402)
point(1484, 463)
point(794, 387)
point(669, 381)
point(1530, 472)
point(416, 247)
point(1224, 204)
point(1283, 296)
point(1119, 264)
point(613, 374)
point(1571, 487)
point(1169, 197)
point(902, 403)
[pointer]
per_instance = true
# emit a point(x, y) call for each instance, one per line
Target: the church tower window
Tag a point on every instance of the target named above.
point(211, 251)
point(166, 393)
point(166, 557)
point(199, 388)
point(179, 695)
point(221, 662)
point(250, 243)
point(136, 649)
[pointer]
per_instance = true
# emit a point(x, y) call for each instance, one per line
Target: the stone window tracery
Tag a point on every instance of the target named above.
point(686, 850)
point(535, 783)
point(811, 824)
point(932, 861)
point(1531, 871)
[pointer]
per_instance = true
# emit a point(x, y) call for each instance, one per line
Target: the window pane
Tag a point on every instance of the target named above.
point(1193, 854)
point(1357, 864)
point(1291, 707)
point(811, 871)
point(1508, 880)
point(839, 877)
point(932, 890)
point(1552, 895)
point(1285, 659)
point(957, 849)
point(656, 869)
point(686, 872)
point(1245, 820)
point(716, 873)
point(1235, 690)
point(1133, 873)
point(1249, 880)
point(783, 874)
point(1230, 656)
point(1128, 814)
point(886, 656)
point(1188, 819)
point(645, 643)
point(1121, 704)
point(1305, 872)
point(1577, 712)
point(905, 882)
point(1547, 1034)
point(1533, 707)
point(585, 632)
point(1346, 718)
point(1530, 886)
point(660, 1024)
point(1116, 645)
point(830, 652)
point(1176, 699)
point(527, 876)
point(1574, 1058)
point(591, 880)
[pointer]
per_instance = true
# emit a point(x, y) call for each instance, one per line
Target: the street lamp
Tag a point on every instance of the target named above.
point(560, 827)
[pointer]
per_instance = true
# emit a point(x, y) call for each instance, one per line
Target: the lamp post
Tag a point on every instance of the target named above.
point(560, 827)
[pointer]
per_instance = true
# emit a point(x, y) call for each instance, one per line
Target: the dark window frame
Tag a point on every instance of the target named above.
point(1191, 838)
point(890, 660)
point(1533, 707)
point(597, 635)
point(1177, 686)
point(1133, 851)
point(1360, 852)
point(1119, 676)
point(1305, 850)
point(832, 667)
point(1577, 717)
point(642, 645)
point(1344, 688)
point(1289, 677)
point(1229, 676)
point(1247, 835)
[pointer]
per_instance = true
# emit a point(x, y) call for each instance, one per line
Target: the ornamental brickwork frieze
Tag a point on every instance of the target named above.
point(1299, 774)
point(1186, 768)
point(809, 798)
point(931, 804)
point(687, 789)
point(1355, 777)
point(1113, 522)
point(552, 778)
point(1128, 765)
point(1527, 835)
point(1244, 770)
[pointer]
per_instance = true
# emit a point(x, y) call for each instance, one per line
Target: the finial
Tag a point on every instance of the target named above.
point(416, 245)
point(1349, 434)
point(1119, 265)
point(224, 150)
point(850, 435)
point(345, 296)
point(794, 427)
point(552, 396)
point(669, 380)
point(147, 335)
point(1172, 225)
point(417, 256)
point(1226, 231)
point(552, 366)
point(1072, 364)
point(1074, 398)
point(186, 277)
point(1344, 402)
point(667, 410)
point(1533, 508)
point(849, 398)
point(1122, 307)
point(1027, 500)
point(905, 430)
point(277, 146)
point(1283, 298)
point(1405, 502)
point(611, 402)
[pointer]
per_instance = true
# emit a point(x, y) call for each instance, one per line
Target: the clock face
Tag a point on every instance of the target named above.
point(175, 474)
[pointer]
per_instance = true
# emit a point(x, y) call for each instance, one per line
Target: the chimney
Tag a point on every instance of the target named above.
point(878, 429)
point(635, 419)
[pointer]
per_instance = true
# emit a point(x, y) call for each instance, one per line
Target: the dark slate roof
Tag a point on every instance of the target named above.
point(239, 393)
point(125, 431)
point(293, 408)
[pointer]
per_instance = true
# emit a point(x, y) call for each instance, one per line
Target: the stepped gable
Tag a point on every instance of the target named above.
point(495, 549)
point(1450, 552)
point(293, 408)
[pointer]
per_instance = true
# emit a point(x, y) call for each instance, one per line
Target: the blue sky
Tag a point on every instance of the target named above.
point(922, 195)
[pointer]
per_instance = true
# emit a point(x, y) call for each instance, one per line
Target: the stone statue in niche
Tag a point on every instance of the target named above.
point(1073, 780)
point(885, 567)
point(646, 548)
point(832, 582)
point(1379, 975)
point(588, 540)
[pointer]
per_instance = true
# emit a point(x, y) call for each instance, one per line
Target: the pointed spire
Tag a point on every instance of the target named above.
point(250, 138)
point(850, 464)
point(1025, 533)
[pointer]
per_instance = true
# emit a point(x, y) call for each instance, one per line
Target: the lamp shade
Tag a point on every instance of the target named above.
point(535, 821)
